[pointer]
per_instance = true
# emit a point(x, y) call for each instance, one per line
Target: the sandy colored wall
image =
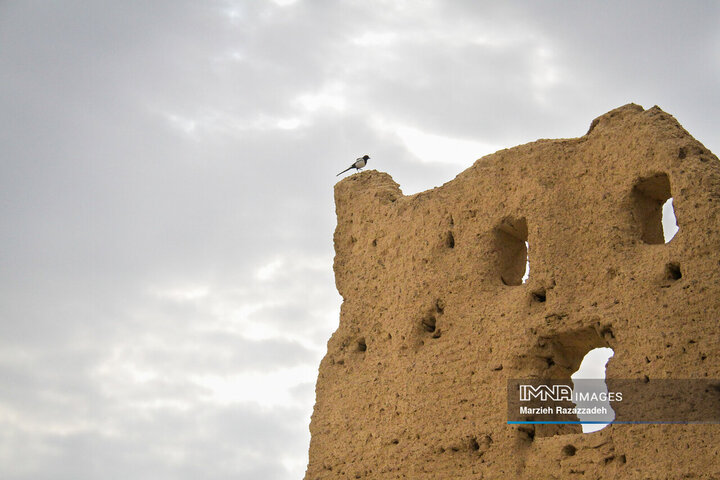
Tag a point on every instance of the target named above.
point(435, 318)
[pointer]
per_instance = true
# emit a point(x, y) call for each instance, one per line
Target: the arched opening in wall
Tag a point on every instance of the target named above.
point(511, 238)
point(560, 356)
point(591, 375)
point(653, 209)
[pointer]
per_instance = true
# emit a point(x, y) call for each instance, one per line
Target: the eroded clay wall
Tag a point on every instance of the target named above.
point(436, 318)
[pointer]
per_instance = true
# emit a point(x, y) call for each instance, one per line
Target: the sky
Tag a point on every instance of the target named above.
point(166, 194)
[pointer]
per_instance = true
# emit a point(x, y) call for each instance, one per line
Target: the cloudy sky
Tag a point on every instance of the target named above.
point(166, 209)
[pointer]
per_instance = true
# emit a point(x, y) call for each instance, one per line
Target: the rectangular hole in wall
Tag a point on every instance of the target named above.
point(511, 244)
point(651, 203)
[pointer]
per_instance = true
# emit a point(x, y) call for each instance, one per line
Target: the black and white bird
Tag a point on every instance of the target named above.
point(359, 163)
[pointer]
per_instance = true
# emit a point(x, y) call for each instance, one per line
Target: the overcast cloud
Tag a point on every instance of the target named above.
point(166, 208)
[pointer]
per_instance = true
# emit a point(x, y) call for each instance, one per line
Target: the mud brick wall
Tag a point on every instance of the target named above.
point(436, 317)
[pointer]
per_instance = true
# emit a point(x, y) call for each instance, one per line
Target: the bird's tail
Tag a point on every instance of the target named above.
point(344, 171)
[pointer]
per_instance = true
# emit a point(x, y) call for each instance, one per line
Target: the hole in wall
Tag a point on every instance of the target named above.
point(559, 356)
point(428, 323)
point(511, 245)
point(622, 459)
point(527, 432)
point(450, 240)
point(592, 367)
point(361, 344)
point(672, 271)
point(607, 333)
point(539, 295)
point(653, 209)
point(569, 450)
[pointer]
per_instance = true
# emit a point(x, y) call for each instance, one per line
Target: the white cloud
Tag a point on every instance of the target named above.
point(429, 147)
point(267, 389)
point(269, 270)
point(375, 39)
point(284, 3)
point(330, 96)
point(183, 294)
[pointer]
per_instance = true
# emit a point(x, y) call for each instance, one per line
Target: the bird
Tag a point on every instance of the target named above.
point(359, 164)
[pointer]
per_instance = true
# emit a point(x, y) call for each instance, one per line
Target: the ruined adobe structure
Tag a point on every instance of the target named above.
point(436, 318)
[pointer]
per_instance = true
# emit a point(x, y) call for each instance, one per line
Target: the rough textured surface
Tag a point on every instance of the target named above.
point(436, 318)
